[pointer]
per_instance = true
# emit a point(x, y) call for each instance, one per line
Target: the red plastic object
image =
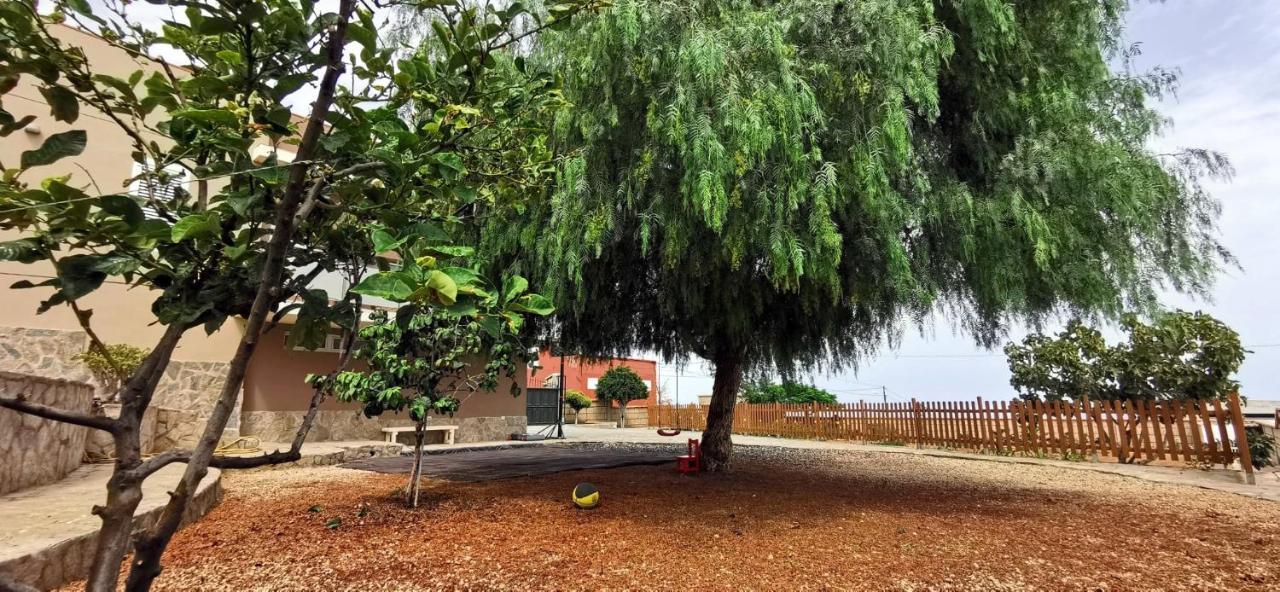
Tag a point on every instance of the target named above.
point(692, 462)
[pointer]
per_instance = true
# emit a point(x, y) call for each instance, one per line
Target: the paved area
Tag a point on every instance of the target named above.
point(489, 465)
point(34, 518)
point(1267, 487)
point(47, 533)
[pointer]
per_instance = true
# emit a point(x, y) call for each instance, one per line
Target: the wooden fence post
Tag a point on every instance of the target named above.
point(1242, 438)
point(916, 424)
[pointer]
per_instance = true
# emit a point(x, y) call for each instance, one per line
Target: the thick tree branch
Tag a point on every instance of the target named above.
point(294, 452)
point(313, 195)
point(21, 405)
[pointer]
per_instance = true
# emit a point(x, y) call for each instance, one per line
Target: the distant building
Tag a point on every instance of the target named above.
point(582, 374)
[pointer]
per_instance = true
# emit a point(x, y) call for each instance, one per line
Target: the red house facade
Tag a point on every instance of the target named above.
point(581, 374)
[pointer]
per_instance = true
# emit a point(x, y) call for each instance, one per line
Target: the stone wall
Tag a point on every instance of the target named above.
point(331, 425)
point(193, 387)
point(44, 352)
point(36, 451)
point(637, 417)
point(181, 404)
point(99, 445)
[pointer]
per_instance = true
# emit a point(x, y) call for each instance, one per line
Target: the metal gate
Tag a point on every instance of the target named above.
point(542, 406)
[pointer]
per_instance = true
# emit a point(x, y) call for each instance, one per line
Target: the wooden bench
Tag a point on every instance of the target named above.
point(448, 430)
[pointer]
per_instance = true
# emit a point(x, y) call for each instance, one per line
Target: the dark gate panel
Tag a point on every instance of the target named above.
point(542, 406)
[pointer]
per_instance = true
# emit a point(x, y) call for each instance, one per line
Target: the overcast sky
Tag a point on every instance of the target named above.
point(1229, 54)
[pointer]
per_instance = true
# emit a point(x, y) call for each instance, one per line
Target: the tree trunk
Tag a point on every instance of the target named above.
point(622, 414)
point(150, 545)
point(415, 476)
point(716, 443)
point(123, 497)
point(124, 490)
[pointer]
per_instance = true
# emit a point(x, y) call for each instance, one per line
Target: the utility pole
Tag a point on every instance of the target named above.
point(884, 394)
point(560, 397)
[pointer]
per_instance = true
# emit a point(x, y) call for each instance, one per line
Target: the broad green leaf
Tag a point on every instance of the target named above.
point(452, 250)
point(463, 276)
point(8, 124)
point(383, 241)
point(218, 116)
point(442, 286)
point(116, 263)
point(63, 103)
point(228, 56)
point(362, 35)
point(534, 304)
point(79, 275)
point(196, 226)
point(515, 286)
point(23, 250)
point(123, 206)
point(55, 148)
point(388, 285)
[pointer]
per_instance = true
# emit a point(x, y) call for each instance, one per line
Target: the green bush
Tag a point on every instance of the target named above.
point(1179, 355)
point(787, 392)
point(623, 385)
point(126, 360)
point(577, 401)
point(1262, 446)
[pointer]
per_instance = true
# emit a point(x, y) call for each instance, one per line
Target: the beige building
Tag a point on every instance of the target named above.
point(273, 398)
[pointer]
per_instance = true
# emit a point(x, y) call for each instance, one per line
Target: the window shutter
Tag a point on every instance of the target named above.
point(164, 188)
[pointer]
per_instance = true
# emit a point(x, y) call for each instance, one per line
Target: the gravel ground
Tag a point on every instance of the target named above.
point(784, 519)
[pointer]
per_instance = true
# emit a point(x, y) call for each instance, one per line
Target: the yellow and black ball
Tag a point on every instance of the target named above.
point(586, 496)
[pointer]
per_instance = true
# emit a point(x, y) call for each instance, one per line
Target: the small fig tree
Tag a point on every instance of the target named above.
point(449, 339)
point(449, 131)
point(623, 385)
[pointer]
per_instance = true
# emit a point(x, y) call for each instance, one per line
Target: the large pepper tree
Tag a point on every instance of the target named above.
point(777, 185)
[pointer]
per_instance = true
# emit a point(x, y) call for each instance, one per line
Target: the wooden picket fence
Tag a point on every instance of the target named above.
point(1195, 432)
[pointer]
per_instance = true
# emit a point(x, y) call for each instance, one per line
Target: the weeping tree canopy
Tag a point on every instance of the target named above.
point(770, 185)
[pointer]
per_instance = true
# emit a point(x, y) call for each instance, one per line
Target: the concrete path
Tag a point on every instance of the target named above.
point(1267, 487)
point(47, 533)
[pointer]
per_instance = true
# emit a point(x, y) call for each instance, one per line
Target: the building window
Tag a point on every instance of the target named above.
point(167, 185)
point(552, 381)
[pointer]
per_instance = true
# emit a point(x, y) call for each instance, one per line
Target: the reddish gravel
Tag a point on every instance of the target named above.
point(785, 519)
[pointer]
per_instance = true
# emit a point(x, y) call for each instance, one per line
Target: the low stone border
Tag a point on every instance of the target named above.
point(319, 454)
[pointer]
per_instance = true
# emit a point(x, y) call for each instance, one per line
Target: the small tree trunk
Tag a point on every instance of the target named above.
point(124, 491)
point(415, 476)
point(622, 413)
point(113, 536)
point(717, 446)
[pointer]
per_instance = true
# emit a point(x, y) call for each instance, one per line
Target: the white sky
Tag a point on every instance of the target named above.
point(1228, 53)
